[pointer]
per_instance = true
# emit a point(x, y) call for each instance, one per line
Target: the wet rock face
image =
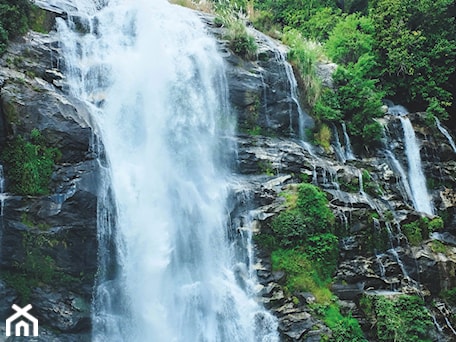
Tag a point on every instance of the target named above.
point(260, 90)
point(49, 243)
point(367, 262)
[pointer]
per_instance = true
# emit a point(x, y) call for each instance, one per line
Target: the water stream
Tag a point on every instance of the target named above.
point(420, 196)
point(155, 83)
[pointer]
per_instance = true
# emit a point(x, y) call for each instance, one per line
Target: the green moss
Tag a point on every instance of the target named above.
point(29, 164)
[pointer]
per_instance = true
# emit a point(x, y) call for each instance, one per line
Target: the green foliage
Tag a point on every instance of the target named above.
point(402, 318)
point(311, 216)
point(419, 230)
point(303, 55)
point(321, 24)
point(403, 49)
point(13, 20)
point(29, 164)
point(290, 228)
point(239, 40)
point(449, 296)
point(344, 328)
point(242, 44)
point(350, 39)
point(327, 107)
point(416, 42)
point(301, 273)
point(323, 137)
point(439, 247)
point(35, 268)
point(359, 100)
point(313, 204)
point(323, 250)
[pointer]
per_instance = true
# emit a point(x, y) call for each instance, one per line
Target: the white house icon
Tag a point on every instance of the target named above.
point(22, 325)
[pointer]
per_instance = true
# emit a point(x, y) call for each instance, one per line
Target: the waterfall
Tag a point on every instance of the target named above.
point(349, 155)
point(421, 199)
point(398, 169)
point(155, 84)
point(341, 156)
point(447, 135)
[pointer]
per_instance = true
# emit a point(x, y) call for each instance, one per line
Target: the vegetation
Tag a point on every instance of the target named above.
point(401, 318)
point(400, 49)
point(419, 230)
point(29, 164)
point(303, 245)
point(36, 267)
point(14, 20)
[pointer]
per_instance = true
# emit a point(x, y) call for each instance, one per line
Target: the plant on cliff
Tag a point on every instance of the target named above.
point(14, 16)
point(311, 216)
point(400, 319)
point(29, 164)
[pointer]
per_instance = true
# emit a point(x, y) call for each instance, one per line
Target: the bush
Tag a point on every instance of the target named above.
point(323, 137)
point(290, 228)
point(29, 164)
point(301, 273)
point(402, 319)
point(14, 16)
point(313, 204)
point(343, 328)
point(310, 217)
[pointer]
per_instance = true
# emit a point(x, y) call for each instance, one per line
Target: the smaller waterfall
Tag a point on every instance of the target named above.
point(421, 199)
point(446, 134)
point(398, 169)
point(360, 182)
point(349, 155)
point(381, 266)
point(338, 147)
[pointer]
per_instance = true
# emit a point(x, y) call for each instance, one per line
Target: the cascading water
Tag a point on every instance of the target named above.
point(159, 85)
point(447, 135)
point(421, 199)
point(349, 155)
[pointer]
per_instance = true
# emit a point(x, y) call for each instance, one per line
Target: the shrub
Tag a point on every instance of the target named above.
point(14, 16)
point(401, 318)
point(313, 204)
point(344, 328)
point(29, 164)
point(290, 228)
point(310, 217)
point(303, 55)
point(449, 296)
point(323, 137)
point(301, 273)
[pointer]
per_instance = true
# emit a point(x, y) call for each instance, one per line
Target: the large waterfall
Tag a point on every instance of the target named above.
point(155, 83)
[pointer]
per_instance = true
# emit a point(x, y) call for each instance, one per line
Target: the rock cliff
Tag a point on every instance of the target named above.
point(48, 242)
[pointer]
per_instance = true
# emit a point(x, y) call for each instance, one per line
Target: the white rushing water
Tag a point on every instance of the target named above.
point(447, 135)
point(156, 86)
point(349, 155)
point(420, 196)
